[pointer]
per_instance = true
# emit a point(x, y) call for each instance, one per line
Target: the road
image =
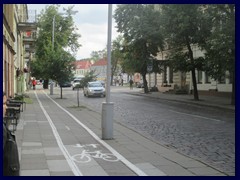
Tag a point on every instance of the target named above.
point(203, 133)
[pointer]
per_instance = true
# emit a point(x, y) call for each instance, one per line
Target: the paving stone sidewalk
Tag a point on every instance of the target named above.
point(50, 141)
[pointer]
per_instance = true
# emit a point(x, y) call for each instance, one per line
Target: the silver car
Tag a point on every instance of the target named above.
point(76, 82)
point(94, 89)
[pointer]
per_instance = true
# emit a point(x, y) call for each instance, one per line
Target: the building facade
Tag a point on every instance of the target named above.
point(172, 81)
point(15, 53)
point(100, 69)
point(82, 67)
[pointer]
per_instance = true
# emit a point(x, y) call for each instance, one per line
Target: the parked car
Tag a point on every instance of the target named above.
point(94, 89)
point(76, 82)
point(65, 84)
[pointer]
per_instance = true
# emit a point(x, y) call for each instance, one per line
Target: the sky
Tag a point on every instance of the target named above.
point(92, 23)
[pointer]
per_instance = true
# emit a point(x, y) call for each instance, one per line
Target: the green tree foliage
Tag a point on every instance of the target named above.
point(117, 56)
point(96, 55)
point(220, 45)
point(55, 61)
point(90, 76)
point(141, 30)
point(184, 26)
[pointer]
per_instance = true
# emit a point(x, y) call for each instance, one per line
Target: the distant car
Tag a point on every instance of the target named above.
point(39, 82)
point(94, 89)
point(65, 84)
point(139, 85)
point(75, 83)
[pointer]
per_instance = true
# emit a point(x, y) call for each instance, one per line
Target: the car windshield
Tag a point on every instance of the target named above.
point(95, 85)
point(77, 80)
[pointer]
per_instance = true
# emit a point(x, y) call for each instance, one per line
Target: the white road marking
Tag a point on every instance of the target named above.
point(113, 151)
point(68, 128)
point(196, 116)
point(71, 163)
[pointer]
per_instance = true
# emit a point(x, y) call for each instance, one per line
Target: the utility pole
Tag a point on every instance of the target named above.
point(107, 107)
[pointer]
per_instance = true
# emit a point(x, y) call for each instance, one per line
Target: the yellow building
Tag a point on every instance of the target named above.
point(15, 28)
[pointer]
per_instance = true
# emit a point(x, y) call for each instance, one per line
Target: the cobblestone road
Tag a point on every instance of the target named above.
point(203, 133)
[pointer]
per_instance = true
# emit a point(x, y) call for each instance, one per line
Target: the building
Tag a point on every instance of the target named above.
point(82, 67)
point(173, 81)
point(18, 46)
point(100, 68)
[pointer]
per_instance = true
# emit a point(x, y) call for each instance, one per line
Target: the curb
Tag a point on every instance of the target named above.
point(183, 101)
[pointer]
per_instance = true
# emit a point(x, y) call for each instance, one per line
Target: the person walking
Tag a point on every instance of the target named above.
point(122, 82)
point(34, 82)
point(131, 83)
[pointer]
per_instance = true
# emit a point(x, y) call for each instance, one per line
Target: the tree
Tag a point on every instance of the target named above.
point(141, 30)
point(96, 55)
point(220, 45)
point(117, 56)
point(184, 26)
point(90, 76)
point(52, 59)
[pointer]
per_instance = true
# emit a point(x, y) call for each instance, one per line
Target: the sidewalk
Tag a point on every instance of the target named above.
point(211, 101)
point(55, 139)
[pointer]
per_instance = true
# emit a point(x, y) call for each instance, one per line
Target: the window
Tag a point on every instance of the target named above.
point(200, 77)
point(170, 75)
point(208, 78)
point(222, 80)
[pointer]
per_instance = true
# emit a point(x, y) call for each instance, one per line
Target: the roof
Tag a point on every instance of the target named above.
point(83, 64)
point(101, 62)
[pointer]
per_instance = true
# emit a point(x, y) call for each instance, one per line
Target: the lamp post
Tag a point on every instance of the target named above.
point(53, 31)
point(107, 107)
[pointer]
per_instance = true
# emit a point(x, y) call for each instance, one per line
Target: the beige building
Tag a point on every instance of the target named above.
point(172, 81)
point(16, 45)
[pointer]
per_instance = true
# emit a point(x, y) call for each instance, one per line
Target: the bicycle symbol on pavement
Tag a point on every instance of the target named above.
point(86, 155)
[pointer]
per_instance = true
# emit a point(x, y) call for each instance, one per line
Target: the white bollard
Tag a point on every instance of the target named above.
point(107, 120)
point(51, 88)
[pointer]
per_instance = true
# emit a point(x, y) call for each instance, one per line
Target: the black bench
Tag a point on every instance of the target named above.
point(18, 102)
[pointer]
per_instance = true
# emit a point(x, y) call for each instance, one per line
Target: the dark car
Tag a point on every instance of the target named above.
point(65, 84)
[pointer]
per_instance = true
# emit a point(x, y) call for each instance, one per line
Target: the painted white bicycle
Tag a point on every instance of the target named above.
point(85, 156)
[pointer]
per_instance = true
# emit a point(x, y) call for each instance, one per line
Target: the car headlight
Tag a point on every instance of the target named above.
point(91, 90)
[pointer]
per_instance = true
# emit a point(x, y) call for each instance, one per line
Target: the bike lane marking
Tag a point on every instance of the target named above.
point(90, 152)
point(107, 146)
point(66, 154)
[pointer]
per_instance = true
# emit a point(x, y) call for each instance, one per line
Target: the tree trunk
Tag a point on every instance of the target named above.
point(195, 91)
point(145, 83)
point(233, 89)
point(194, 81)
point(111, 83)
point(78, 96)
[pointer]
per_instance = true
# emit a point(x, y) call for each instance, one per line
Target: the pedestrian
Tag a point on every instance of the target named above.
point(4, 104)
point(34, 82)
point(131, 83)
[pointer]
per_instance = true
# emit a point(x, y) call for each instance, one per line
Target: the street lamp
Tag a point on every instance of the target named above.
point(107, 107)
point(53, 31)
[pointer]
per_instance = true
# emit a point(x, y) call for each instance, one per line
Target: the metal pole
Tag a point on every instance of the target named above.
point(53, 29)
point(107, 107)
point(109, 52)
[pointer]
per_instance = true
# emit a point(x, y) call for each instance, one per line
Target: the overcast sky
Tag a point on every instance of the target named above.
point(92, 23)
